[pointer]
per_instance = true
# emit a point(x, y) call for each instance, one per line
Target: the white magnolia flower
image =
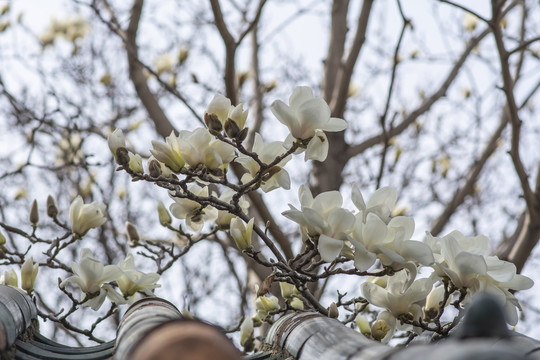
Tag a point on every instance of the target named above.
point(390, 243)
point(266, 305)
point(384, 327)
point(398, 298)
point(288, 291)
point(238, 115)
point(133, 280)
point(246, 330)
point(220, 106)
point(90, 275)
point(381, 202)
point(84, 217)
point(307, 117)
point(241, 233)
point(190, 210)
point(29, 272)
point(324, 217)
point(116, 140)
point(199, 147)
point(164, 63)
point(466, 262)
point(9, 277)
point(469, 22)
point(267, 154)
point(169, 153)
point(224, 217)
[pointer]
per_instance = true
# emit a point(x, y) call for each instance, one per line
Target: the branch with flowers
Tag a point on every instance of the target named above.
point(412, 282)
point(408, 284)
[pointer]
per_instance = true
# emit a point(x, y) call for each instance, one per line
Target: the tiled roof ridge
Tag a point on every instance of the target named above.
point(153, 328)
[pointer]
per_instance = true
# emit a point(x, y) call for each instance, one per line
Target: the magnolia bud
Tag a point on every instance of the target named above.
point(135, 163)
point(333, 311)
point(297, 304)
point(288, 290)
point(154, 168)
point(213, 123)
point(132, 233)
point(29, 272)
point(246, 331)
point(34, 214)
point(231, 128)
point(122, 156)
point(164, 216)
point(241, 233)
point(379, 329)
point(2, 239)
point(363, 324)
point(9, 278)
point(52, 210)
point(242, 135)
point(116, 140)
point(183, 55)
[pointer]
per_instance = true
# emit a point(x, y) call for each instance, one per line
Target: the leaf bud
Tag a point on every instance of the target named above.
point(231, 128)
point(132, 233)
point(52, 210)
point(34, 214)
point(212, 122)
point(154, 168)
point(122, 156)
point(333, 311)
point(2, 239)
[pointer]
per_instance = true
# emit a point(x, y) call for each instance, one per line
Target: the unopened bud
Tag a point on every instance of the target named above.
point(122, 156)
point(132, 233)
point(213, 123)
point(164, 216)
point(34, 214)
point(379, 329)
point(246, 331)
point(297, 304)
point(183, 55)
point(154, 168)
point(29, 272)
point(52, 210)
point(2, 239)
point(9, 278)
point(242, 135)
point(231, 128)
point(333, 311)
point(363, 324)
point(135, 163)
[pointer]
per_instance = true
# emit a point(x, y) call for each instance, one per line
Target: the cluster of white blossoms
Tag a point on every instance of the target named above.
point(372, 238)
point(29, 271)
point(208, 152)
point(368, 237)
point(96, 280)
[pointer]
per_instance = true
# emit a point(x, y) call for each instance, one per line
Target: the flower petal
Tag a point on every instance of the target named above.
point(329, 248)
